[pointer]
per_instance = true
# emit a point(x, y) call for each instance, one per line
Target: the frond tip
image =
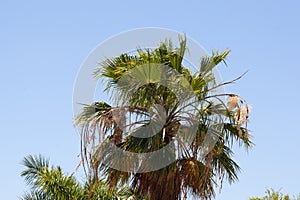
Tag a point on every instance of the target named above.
point(207, 63)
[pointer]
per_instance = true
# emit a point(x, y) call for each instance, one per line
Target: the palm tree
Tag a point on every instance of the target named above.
point(192, 167)
point(50, 183)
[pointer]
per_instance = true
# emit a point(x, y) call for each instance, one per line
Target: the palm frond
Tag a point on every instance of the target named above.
point(207, 63)
point(34, 166)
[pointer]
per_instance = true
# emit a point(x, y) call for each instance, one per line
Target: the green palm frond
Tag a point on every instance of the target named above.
point(207, 63)
point(34, 166)
point(224, 164)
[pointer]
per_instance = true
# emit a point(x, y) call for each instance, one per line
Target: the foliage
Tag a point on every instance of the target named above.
point(50, 183)
point(275, 195)
point(197, 169)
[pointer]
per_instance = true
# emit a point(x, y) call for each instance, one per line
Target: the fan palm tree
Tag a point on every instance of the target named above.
point(192, 167)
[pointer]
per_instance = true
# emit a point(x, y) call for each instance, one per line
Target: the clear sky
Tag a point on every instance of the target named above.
point(43, 44)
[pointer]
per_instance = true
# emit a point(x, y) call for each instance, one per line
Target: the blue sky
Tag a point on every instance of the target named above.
point(43, 44)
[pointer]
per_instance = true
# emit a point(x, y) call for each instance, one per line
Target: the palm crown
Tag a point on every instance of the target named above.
point(181, 126)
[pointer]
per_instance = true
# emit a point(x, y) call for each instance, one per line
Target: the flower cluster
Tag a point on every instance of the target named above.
point(241, 112)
